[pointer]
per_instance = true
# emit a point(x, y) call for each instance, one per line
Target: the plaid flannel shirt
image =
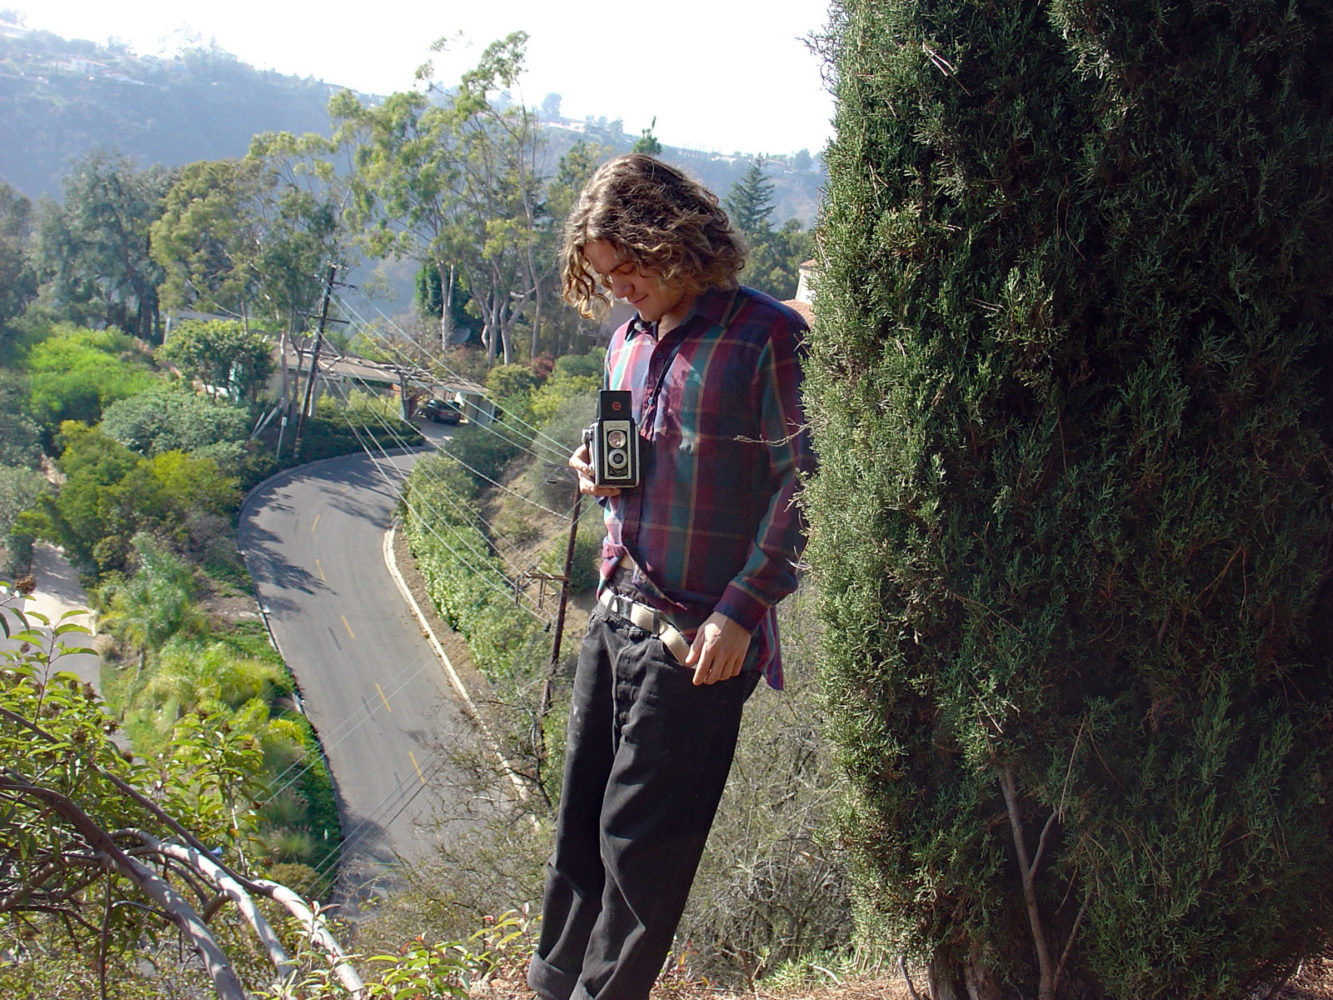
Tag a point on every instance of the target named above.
point(712, 525)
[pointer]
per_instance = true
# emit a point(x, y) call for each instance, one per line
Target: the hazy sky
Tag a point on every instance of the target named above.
point(718, 75)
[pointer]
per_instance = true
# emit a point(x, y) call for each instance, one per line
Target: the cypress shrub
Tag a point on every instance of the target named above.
point(1072, 526)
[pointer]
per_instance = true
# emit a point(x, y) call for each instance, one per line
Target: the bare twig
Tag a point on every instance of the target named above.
point(944, 66)
point(911, 990)
point(1046, 982)
point(1069, 944)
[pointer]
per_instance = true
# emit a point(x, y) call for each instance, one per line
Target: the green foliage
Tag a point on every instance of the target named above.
point(229, 360)
point(647, 142)
point(1072, 520)
point(18, 283)
point(64, 780)
point(574, 376)
point(74, 374)
point(773, 264)
point(170, 417)
point(466, 582)
point(332, 430)
point(20, 437)
point(371, 410)
point(553, 483)
point(207, 235)
point(749, 203)
point(19, 490)
point(111, 494)
point(153, 605)
point(255, 234)
point(585, 566)
point(580, 365)
point(92, 250)
point(485, 452)
point(511, 387)
point(450, 180)
point(449, 968)
point(176, 666)
point(428, 296)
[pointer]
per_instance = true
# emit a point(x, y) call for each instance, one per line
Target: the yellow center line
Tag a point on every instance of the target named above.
point(387, 708)
point(417, 766)
point(319, 569)
point(348, 627)
point(315, 523)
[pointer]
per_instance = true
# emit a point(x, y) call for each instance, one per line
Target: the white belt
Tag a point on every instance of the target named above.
point(650, 620)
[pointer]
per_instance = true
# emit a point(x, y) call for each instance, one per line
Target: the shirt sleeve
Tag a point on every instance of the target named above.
point(770, 571)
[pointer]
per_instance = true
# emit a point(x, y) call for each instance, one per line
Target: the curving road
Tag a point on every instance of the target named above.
point(314, 542)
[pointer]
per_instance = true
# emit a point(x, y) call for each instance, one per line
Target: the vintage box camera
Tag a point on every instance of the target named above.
point(613, 440)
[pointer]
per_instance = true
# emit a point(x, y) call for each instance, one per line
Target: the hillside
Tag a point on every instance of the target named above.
point(59, 99)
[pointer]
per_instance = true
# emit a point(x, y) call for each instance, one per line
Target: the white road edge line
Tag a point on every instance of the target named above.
point(520, 788)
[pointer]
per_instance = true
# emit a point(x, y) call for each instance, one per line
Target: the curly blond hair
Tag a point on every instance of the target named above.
point(658, 218)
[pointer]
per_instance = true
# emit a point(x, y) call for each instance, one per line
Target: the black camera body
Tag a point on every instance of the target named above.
point(613, 440)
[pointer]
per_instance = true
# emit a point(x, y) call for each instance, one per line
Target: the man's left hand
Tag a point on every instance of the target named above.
point(718, 650)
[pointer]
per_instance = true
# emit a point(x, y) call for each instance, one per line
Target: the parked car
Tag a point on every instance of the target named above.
point(442, 411)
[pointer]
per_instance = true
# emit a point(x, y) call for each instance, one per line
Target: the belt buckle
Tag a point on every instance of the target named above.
point(625, 605)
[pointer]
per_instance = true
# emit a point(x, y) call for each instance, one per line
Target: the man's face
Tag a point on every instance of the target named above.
point(642, 288)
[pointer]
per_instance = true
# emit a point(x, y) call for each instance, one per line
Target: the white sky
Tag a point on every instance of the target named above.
point(720, 75)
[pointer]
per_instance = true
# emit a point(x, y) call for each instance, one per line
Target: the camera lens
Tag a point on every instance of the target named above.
point(615, 439)
point(616, 459)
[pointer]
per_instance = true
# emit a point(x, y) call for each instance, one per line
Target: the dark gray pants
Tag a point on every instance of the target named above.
point(646, 761)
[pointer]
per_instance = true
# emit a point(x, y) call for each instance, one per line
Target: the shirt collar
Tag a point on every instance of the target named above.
point(710, 306)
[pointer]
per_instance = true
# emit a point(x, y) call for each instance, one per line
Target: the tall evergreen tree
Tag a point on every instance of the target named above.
point(749, 203)
point(773, 264)
point(1072, 525)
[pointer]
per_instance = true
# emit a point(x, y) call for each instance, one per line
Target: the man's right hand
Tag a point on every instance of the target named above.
point(581, 462)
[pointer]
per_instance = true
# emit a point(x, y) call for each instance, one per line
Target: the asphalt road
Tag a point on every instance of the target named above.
point(374, 690)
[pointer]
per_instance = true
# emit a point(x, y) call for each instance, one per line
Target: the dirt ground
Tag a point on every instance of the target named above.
point(1314, 983)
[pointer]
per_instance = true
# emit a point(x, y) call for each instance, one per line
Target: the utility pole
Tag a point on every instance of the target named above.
point(544, 707)
point(314, 362)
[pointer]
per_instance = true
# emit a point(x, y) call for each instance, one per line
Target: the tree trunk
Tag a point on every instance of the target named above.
point(974, 981)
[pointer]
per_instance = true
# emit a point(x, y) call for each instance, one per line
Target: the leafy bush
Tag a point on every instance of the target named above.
point(585, 566)
point(228, 360)
point(19, 490)
point(484, 451)
point(20, 437)
point(111, 494)
point(75, 374)
point(170, 417)
point(574, 375)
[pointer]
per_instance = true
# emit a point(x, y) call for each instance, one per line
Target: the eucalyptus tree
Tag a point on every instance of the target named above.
point(253, 238)
point(208, 236)
point(559, 330)
point(92, 250)
point(450, 180)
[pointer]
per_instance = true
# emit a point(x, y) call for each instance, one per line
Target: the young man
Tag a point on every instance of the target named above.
point(694, 561)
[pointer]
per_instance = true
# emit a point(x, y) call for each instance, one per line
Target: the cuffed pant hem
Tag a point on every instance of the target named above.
point(549, 982)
